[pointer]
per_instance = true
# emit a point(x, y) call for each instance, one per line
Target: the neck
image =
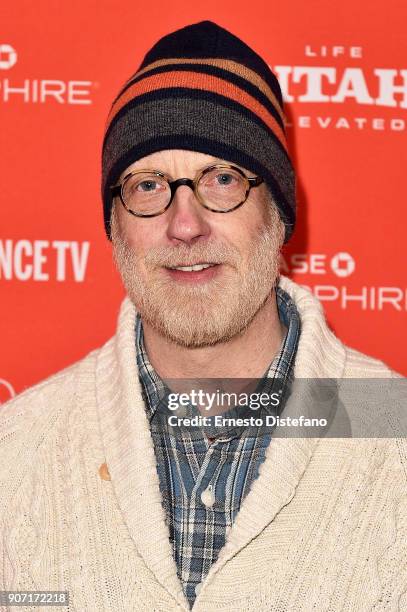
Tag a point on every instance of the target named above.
point(247, 355)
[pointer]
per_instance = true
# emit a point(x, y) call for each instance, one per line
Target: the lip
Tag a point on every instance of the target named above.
point(194, 277)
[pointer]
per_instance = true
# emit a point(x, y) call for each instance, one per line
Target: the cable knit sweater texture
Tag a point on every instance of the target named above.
point(323, 528)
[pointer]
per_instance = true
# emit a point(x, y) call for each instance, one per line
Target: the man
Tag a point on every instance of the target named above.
point(101, 497)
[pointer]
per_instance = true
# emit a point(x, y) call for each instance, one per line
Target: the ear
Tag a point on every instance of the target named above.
point(114, 220)
point(282, 232)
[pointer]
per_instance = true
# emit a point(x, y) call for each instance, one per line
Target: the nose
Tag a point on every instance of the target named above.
point(187, 220)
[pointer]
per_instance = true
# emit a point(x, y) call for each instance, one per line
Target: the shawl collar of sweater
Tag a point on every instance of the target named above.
point(130, 454)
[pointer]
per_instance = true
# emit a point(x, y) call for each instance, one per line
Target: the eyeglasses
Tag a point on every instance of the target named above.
point(220, 188)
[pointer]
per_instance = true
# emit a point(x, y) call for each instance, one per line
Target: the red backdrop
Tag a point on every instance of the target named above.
point(343, 68)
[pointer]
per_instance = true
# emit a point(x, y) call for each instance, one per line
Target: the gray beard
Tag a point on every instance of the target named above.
point(206, 314)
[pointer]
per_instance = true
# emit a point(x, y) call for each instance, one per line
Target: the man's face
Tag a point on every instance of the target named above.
point(196, 309)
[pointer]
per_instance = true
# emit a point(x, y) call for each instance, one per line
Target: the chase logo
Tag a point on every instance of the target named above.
point(343, 264)
point(8, 57)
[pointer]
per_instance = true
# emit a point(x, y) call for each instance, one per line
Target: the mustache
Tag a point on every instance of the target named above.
point(216, 253)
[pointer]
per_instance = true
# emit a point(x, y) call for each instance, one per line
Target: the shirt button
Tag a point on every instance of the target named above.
point(198, 588)
point(208, 497)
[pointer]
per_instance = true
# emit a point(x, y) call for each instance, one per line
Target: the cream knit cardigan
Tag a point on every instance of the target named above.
point(323, 528)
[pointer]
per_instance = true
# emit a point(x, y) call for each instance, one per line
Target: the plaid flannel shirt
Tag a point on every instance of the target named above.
point(203, 484)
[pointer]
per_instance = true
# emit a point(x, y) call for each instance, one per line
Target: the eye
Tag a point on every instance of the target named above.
point(225, 178)
point(221, 179)
point(147, 185)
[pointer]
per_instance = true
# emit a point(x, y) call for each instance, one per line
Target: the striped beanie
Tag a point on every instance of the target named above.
point(202, 89)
